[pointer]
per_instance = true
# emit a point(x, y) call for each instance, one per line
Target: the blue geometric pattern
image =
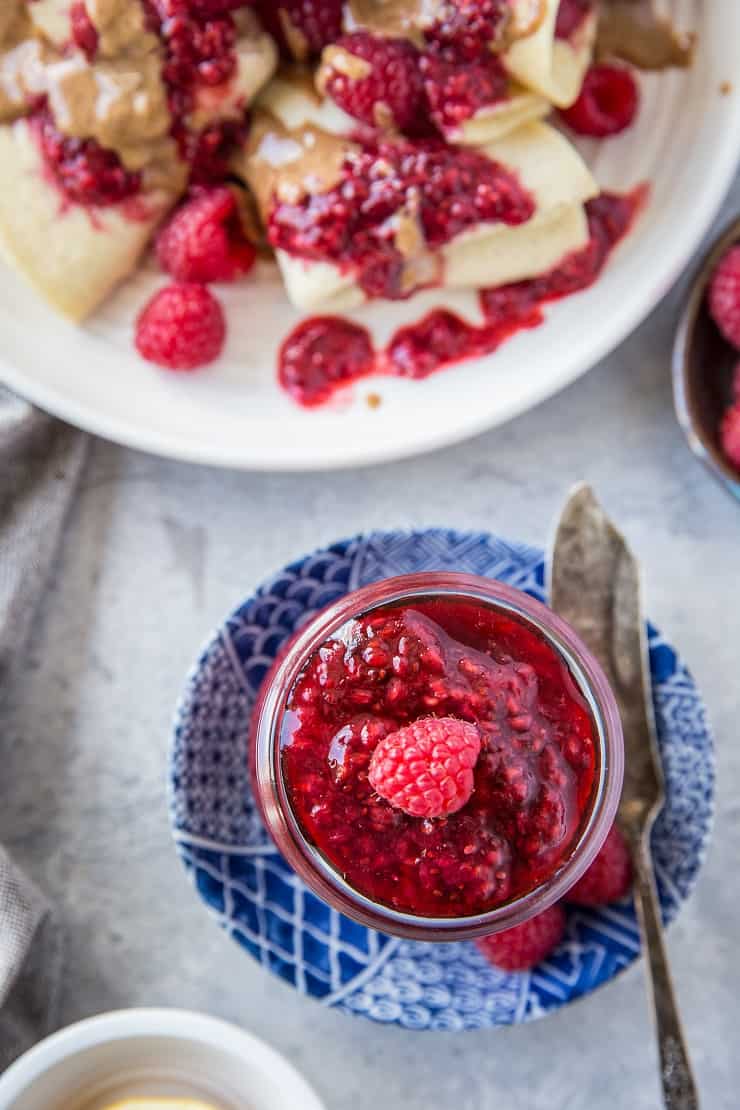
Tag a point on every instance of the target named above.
point(257, 898)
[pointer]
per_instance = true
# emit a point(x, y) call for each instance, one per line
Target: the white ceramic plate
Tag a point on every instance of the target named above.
point(686, 143)
point(153, 1053)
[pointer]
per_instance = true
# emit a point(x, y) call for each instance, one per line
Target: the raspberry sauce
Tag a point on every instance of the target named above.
point(84, 31)
point(448, 190)
point(326, 353)
point(84, 172)
point(533, 779)
point(198, 43)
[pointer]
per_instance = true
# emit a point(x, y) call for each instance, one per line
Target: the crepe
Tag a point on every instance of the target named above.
point(73, 255)
point(409, 19)
point(550, 66)
point(495, 120)
point(290, 149)
point(50, 18)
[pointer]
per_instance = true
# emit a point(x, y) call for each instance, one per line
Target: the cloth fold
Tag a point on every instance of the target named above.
point(40, 465)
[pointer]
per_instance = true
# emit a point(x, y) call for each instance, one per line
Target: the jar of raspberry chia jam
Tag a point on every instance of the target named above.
point(437, 756)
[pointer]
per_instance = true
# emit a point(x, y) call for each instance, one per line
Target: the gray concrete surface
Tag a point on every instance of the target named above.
point(156, 553)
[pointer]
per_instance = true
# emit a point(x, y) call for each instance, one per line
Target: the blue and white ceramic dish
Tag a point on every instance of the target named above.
point(264, 906)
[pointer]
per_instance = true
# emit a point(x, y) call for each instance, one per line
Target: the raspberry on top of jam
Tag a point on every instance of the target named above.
point(533, 778)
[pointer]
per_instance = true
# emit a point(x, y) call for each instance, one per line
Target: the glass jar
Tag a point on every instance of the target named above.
point(319, 874)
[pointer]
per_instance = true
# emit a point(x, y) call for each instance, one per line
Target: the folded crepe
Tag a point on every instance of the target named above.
point(551, 66)
point(298, 145)
point(75, 254)
point(495, 120)
point(413, 20)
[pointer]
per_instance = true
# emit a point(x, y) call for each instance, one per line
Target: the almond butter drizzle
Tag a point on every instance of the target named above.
point(633, 31)
point(294, 37)
point(290, 164)
point(122, 104)
point(14, 23)
point(121, 28)
point(19, 53)
point(119, 99)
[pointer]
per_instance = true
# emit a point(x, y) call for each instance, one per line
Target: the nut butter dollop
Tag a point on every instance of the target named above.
point(288, 164)
point(632, 30)
point(122, 103)
point(21, 60)
point(119, 99)
point(121, 27)
point(14, 23)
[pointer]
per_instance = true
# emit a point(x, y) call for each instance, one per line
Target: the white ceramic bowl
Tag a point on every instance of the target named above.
point(155, 1053)
point(685, 143)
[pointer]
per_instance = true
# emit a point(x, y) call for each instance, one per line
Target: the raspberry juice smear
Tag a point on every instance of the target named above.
point(326, 353)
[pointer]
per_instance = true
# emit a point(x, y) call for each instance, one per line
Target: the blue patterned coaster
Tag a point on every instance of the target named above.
point(268, 910)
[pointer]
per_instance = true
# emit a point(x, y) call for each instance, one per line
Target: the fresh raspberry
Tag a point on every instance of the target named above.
point(724, 296)
point(204, 240)
point(456, 90)
point(609, 877)
point(471, 26)
point(85, 172)
point(426, 768)
point(387, 91)
point(322, 353)
point(302, 28)
point(525, 945)
point(729, 434)
point(84, 31)
point(607, 103)
point(182, 327)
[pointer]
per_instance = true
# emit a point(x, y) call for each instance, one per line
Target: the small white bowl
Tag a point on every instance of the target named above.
point(153, 1053)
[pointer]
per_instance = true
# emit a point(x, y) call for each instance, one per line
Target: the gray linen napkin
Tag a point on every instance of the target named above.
point(40, 464)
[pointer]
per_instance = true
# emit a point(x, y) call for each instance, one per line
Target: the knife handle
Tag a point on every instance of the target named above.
point(679, 1087)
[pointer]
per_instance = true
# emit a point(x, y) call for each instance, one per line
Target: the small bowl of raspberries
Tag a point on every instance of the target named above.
point(439, 757)
point(706, 362)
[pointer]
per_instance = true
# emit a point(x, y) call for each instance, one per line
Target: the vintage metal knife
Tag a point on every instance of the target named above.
point(595, 586)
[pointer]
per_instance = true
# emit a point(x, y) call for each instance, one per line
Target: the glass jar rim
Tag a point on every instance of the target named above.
point(308, 860)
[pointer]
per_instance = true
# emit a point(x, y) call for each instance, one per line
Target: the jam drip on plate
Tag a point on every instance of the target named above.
point(533, 779)
point(325, 353)
point(391, 194)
